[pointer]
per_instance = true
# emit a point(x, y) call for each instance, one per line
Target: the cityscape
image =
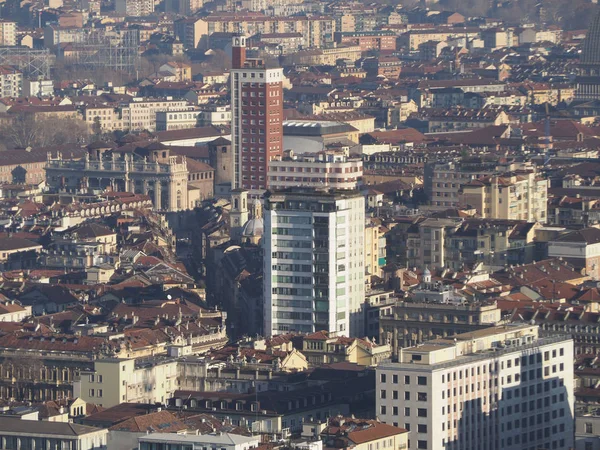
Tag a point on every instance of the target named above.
point(299, 225)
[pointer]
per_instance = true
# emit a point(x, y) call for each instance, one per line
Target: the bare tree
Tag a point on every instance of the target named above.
point(24, 130)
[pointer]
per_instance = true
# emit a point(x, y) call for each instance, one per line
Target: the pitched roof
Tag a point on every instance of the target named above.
point(15, 243)
point(161, 421)
point(587, 235)
point(25, 427)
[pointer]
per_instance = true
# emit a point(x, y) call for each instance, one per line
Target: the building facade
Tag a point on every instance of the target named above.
point(412, 323)
point(588, 81)
point(150, 171)
point(113, 381)
point(8, 33)
point(327, 169)
point(257, 118)
point(513, 196)
point(134, 8)
point(313, 261)
point(497, 388)
point(11, 82)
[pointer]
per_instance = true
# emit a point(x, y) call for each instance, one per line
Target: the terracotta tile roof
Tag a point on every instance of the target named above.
point(358, 431)
point(157, 422)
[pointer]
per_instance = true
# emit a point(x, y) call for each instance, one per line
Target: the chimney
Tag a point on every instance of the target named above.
point(238, 52)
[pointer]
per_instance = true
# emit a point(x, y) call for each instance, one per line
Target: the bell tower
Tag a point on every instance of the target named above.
point(238, 216)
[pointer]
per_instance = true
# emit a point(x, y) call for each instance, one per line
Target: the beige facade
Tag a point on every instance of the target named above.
point(140, 114)
point(107, 118)
point(8, 33)
point(375, 248)
point(115, 381)
point(440, 386)
point(181, 71)
point(327, 56)
point(319, 348)
point(517, 196)
point(318, 30)
point(155, 173)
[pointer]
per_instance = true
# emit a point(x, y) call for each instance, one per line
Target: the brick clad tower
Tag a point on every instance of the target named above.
point(257, 118)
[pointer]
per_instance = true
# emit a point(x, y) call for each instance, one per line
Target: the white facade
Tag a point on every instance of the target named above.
point(176, 120)
point(314, 262)
point(140, 114)
point(38, 88)
point(221, 441)
point(135, 8)
point(11, 82)
point(316, 170)
point(499, 388)
point(218, 115)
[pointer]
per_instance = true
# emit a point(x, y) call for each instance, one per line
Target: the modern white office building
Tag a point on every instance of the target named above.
point(500, 388)
point(313, 261)
point(326, 169)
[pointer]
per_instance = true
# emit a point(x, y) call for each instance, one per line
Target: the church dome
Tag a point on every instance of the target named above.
point(590, 53)
point(253, 228)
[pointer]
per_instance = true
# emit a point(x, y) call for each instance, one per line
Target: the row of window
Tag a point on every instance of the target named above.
point(421, 396)
point(421, 381)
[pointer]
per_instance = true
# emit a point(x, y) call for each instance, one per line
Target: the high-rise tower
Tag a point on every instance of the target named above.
point(314, 275)
point(257, 118)
point(588, 81)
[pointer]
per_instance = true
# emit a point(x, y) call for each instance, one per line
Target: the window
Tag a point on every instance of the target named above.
point(407, 412)
point(383, 410)
point(422, 381)
point(406, 395)
point(99, 378)
point(383, 394)
point(382, 377)
point(406, 379)
point(588, 428)
point(422, 412)
point(99, 392)
point(422, 428)
point(421, 444)
point(395, 379)
point(422, 396)
point(91, 392)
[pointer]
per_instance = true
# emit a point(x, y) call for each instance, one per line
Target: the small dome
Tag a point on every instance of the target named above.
point(253, 228)
point(426, 272)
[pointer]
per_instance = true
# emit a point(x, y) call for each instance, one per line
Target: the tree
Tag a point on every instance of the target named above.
point(25, 130)
point(97, 126)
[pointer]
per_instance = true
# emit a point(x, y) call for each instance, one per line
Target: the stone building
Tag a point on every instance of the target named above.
point(412, 323)
point(149, 170)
